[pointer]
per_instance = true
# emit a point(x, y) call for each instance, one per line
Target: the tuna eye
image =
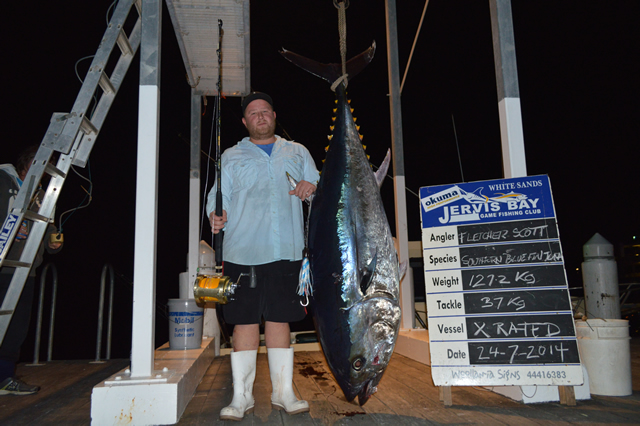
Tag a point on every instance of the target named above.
point(358, 363)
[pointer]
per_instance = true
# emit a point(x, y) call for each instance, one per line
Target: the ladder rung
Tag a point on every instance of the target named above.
point(16, 264)
point(87, 126)
point(123, 43)
point(9, 312)
point(28, 214)
point(54, 171)
point(105, 83)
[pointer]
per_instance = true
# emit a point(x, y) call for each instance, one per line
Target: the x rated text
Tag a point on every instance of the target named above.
point(524, 329)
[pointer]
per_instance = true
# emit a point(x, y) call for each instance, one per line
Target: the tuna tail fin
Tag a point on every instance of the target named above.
point(331, 72)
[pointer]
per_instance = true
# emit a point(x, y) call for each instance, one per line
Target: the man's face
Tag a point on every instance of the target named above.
point(260, 120)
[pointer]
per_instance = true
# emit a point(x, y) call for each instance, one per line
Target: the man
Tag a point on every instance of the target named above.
point(11, 179)
point(263, 224)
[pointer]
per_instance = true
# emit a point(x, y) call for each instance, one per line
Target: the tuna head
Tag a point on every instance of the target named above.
point(374, 324)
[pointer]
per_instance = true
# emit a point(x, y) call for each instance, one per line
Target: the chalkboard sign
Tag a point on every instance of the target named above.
point(498, 304)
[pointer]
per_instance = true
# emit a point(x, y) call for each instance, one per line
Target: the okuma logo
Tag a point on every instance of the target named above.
point(442, 198)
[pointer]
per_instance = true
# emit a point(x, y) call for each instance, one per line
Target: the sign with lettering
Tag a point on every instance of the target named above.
point(498, 303)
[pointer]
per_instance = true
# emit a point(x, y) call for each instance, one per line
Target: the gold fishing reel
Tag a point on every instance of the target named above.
point(213, 288)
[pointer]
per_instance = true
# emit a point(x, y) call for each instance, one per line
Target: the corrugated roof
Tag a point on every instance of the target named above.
point(196, 26)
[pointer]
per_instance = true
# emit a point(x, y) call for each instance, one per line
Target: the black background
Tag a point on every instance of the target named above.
point(577, 68)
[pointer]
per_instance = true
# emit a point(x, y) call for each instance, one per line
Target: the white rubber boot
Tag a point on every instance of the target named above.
point(243, 369)
point(281, 370)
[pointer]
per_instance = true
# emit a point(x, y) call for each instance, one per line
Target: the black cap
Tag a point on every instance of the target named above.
point(253, 96)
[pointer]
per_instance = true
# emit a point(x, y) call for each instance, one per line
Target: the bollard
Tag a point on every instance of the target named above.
point(600, 279)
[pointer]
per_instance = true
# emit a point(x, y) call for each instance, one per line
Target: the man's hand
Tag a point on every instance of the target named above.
point(303, 190)
point(217, 222)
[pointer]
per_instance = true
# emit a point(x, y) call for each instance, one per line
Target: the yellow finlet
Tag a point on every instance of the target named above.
point(329, 137)
point(333, 119)
point(331, 128)
point(364, 146)
point(326, 148)
point(335, 110)
point(361, 137)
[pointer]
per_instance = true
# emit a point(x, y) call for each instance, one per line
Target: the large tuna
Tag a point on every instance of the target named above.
point(354, 264)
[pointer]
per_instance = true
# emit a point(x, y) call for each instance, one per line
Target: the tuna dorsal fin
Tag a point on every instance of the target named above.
point(331, 72)
point(367, 275)
point(403, 269)
point(381, 173)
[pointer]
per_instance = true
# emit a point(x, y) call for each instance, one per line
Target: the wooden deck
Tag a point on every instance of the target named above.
point(406, 396)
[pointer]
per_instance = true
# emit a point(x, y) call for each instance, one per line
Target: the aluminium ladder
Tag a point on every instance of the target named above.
point(73, 135)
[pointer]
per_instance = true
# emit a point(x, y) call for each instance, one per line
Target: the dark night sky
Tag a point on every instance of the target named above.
point(578, 71)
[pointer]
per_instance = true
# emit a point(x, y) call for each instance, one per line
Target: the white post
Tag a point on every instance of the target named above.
point(504, 54)
point(144, 268)
point(407, 303)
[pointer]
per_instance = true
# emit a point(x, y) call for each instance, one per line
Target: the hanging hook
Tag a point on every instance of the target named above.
point(305, 304)
point(336, 3)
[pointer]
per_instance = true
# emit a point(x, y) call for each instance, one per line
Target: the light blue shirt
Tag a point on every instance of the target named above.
point(264, 223)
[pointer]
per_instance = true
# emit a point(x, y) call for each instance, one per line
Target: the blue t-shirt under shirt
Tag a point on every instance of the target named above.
point(267, 148)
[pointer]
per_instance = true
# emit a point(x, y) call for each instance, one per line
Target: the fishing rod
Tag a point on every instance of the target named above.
point(220, 235)
point(217, 287)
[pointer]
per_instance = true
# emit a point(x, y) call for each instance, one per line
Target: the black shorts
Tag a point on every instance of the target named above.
point(274, 298)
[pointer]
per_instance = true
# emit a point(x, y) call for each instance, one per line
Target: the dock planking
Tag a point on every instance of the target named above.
point(406, 396)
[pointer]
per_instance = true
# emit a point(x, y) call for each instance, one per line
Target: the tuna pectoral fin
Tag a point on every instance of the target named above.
point(381, 173)
point(331, 72)
point(293, 183)
point(367, 275)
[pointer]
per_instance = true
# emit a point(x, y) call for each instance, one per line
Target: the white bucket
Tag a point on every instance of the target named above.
point(185, 324)
point(605, 352)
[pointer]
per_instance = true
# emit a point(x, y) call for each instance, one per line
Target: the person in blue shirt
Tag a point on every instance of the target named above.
point(264, 229)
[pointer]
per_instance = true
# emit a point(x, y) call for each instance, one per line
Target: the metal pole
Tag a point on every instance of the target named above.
point(194, 188)
point(100, 314)
point(406, 285)
point(144, 270)
point(504, 54)
point(110, 320)
point(52, 319)
point(36, 349)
